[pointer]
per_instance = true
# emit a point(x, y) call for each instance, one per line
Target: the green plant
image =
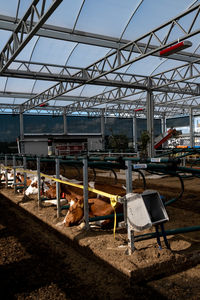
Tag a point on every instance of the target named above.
point(144, 140)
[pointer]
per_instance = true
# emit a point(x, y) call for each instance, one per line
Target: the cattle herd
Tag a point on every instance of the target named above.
point(71, 195)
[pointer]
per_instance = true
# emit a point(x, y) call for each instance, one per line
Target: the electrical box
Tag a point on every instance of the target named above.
point(145, 210)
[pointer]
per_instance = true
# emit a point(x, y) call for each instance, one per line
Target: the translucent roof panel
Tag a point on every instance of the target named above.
point(25, 54)
point(2, 83)
point(84, 55)
point(91, 90)
point(104, 23)
point(19, 85)
point(107, 17)
point(4, 36)
point(23, 6)
point(52, 51)
point(60, 103)
point(195, 48)
point(152, 14)
point(19, 100)
point(152, 65)
point(9, 7)
point(41, 85)
point(75, 92)
point(6, 100)
point(66, 13)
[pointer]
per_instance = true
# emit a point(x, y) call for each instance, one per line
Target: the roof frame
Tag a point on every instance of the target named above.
point(160, 81)
point(118, 59)
point(25, 31)
point(77, 36)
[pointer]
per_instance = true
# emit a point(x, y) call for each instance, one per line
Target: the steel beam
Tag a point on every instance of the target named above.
point(167, 81)
point(119, 96)
point(116, 112)
point(123, 57)
point(135, 133)
point(150, 120)
point(103, 128)
point(115, 108)
point(77, 36)
point(64, 121)
point(21, 95)
point(25, 31)
point(176, 77)
point(21, 126)
point(191, 127)
point(162, 99)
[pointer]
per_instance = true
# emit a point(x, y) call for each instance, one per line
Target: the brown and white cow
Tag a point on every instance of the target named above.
point(97, 206)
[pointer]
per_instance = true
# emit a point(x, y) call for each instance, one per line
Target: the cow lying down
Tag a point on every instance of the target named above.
point(97, 207)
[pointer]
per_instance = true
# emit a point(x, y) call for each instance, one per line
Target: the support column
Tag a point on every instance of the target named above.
point(14, 171)
point(25, 175)
point(39, 182)
point(64, 121)
point(150, 121)
point(163, 128)
point(103, 129)
point(163, 123)
point(191, 128)
point(6, 170)
point(135, 145)
point(21, 126)
point(58, 186)
point(129, 189)
point(85, 193)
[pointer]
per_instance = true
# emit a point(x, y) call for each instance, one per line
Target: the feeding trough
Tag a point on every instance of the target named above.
point(145, 210)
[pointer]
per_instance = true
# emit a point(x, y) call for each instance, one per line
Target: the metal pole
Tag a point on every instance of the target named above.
point(58, 186)
point(129, 189)
point(163, 123)
point(164, 128)
point(150, 120)
point(191, 128)
point(39, 182)
point(14, 171)
point(25, 175)
point(85, 193)
point(64, 121)
point(103, 129)
point(21, 124)
point(6, 170)
point(135, 133)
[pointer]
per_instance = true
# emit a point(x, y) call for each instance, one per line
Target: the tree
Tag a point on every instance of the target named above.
point(145, 138)
point(117, 141)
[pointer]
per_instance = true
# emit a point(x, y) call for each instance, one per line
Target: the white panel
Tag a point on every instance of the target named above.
point(36, 148)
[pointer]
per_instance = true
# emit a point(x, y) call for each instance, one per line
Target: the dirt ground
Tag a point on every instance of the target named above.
point(40, 259)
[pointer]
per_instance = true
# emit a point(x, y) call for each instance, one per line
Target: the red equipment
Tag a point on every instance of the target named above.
point(138, 109)
point(43, 104)
point(162, 139)
point(175, 48)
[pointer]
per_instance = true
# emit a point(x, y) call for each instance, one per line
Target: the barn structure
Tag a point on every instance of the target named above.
point(108, 85)
point(86, 79)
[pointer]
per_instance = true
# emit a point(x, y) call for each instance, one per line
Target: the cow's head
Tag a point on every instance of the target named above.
point(32, 189)
point(49, 190)
point(75, 212)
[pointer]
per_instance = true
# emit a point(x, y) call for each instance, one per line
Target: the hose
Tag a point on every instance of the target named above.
point(143, 177)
